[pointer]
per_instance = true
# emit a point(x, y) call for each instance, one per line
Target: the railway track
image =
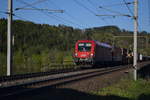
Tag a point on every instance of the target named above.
point(54, 80)
point(57, 70)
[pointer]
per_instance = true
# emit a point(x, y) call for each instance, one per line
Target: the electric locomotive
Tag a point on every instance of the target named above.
point(84, 52)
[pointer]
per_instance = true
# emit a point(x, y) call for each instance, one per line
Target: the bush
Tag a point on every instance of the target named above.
point(3, 63)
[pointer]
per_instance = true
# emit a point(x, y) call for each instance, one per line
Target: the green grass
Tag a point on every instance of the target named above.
point(134, 90)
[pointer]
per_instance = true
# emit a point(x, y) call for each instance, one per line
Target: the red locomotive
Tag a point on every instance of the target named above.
point(95, 52)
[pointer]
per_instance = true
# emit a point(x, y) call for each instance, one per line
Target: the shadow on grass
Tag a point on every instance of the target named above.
point(144, 72)
point(61, 94)
point(49, 93)
point(144, 97)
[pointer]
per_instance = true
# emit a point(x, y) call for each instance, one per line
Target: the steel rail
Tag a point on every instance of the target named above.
point(58, 69)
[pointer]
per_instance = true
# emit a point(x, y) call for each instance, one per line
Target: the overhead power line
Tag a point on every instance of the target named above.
point(91, 3)
point(89, 10)
point(67, 13)
point(149, 10)
point(112, 11)
point(49, 10)
point(116, 15)
point(128, 7)
point(34, 3)
point(66, 20)
point(131, 12)
point(3, 12)
point(20, 17)
point(58, 18)
point(82, 5)
point(40, 11)
point(118, 4)
point(14, 15)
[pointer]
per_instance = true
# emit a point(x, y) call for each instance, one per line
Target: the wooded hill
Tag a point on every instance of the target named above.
point(43, 44)
point(35, 38)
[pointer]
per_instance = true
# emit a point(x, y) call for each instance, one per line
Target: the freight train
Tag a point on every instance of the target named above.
point(97, 53)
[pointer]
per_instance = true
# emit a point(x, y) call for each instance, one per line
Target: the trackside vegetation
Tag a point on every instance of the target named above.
point(129, 89)
point(37, 47)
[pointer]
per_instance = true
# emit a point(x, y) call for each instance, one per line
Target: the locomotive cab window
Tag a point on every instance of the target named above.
point(83, 47)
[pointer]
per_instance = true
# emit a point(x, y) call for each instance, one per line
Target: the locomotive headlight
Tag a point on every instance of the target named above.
point(76, 54)
point(92, 54)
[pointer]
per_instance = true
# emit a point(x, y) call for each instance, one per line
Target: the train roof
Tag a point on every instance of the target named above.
point(85, 41)
point(98, 43)
point(104, 44)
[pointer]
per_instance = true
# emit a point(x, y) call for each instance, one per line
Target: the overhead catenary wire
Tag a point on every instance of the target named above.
point(148, 10)
point(91, 3)
point(115, 15)
point(34, 3)
point(20, 17)
point(67, 13)
point(67, 20)
point(14, 15)
point(41, 11)
point(130, 11)
point(58, 18)
point(89, 10)
point(128, 7)
point(75, 19)
point(112, 11)
point(37, 2)
point(118, 4)
point(82, 5)
point(4, 12)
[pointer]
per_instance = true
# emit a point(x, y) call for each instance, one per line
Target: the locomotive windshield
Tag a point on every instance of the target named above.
point(84, 47)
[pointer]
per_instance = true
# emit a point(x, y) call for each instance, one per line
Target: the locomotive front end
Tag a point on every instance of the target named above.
point(84, 52)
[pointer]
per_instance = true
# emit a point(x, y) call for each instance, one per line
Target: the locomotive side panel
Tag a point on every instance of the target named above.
point(103, 54)
point(99, 54)
point(107, 54)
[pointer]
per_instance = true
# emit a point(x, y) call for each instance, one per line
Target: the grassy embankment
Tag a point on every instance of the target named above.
point(132, 90)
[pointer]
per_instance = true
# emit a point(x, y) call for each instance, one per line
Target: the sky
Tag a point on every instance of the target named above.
point(81, 13)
